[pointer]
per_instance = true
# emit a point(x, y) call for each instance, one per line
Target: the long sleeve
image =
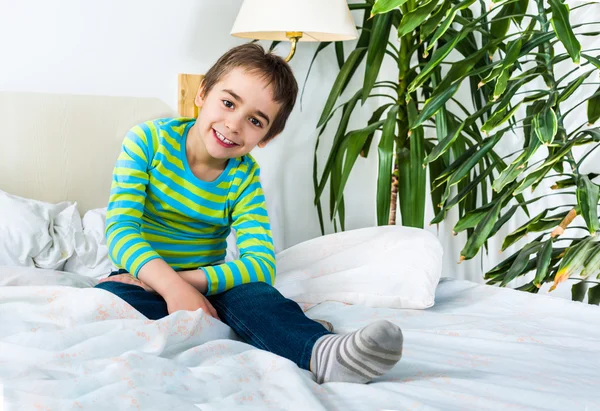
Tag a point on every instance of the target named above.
point(251, 223)
point(127, 248)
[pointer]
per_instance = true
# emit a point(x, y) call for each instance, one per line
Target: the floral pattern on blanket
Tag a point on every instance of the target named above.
point(76, 347)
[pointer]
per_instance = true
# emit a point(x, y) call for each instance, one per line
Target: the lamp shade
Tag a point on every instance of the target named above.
point(318, 20)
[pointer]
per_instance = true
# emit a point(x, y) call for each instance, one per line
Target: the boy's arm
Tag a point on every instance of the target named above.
point(254, 241)
point(126, 247)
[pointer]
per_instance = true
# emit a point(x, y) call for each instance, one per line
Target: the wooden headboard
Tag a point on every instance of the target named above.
point(188, 88)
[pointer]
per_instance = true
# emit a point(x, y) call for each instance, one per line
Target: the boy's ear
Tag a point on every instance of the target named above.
point(263, 143)
point(199, 100)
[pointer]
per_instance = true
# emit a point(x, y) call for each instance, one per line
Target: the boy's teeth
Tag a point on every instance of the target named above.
point(223, 139)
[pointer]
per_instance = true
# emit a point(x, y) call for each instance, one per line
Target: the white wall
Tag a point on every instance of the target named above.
point(137, 48)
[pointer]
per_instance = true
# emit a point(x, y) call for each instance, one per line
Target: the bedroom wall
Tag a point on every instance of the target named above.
point(137, 48)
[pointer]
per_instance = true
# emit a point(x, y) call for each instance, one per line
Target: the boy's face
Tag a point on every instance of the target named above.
point(236, 114)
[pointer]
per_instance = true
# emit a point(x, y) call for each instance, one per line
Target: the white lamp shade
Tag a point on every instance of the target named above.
point(318, 20)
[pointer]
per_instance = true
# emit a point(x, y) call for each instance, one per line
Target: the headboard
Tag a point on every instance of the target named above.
point(63, 147)
point(57, 147)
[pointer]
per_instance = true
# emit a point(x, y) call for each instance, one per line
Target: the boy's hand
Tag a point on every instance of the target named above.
point(127, 279)
point(186, 297)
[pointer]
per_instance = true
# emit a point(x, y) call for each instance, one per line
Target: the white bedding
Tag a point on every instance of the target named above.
point(74, 347)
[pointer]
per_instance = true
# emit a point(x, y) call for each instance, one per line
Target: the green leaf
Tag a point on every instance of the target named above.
point(545, 125)
point(481, 233)
point(500, 22)
point(414, 18)
point(504, 219)
point(592, 60)
point(472, 218)
point(319, 48)
point(434, 103)
point(466, 167)
point(336, 90)
point(501, 84)
point(592, 265)
point(533, 178)
point(593, 107)
point(588, 197)
point(377, 46)
point(434, 21)
point(435, 169)
point(339, 53)
point(521, 231)
point(441, 30)
point(439, 55)
point(573, 261)
point(520, 263)
point(543, 263)
point(499, 117)
point(404, 193)
point(386, 156)
point(374, 118)
point(578, 291)
point(448, 171)
point(355, 140)
point(594, 295)
point(573, 86)
point(418, 173)
point(384, 6)
point(520, 11)
point(444, 145)
point(469, 188)
point(510, 173)
point(562, 28)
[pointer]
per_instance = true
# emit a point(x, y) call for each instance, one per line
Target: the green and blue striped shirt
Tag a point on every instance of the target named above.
point(159, 209)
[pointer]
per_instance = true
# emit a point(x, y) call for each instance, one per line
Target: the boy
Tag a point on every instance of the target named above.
point(180, 185)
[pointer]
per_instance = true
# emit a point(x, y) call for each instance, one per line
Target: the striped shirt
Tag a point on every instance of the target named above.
point(159, 209)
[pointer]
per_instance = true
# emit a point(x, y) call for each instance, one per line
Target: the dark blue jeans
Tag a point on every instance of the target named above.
point(257, 312)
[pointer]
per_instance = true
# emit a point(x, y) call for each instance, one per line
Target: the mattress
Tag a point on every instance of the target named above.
point(65, 345)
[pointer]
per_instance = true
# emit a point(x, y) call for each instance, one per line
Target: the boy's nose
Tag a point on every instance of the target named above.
point(233, 123)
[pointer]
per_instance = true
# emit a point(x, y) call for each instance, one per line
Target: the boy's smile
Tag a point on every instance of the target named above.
point(235, 117)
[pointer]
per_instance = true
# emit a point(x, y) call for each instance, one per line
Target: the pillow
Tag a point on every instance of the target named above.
point(389, 266)
point(90, 257)
point(36, 234)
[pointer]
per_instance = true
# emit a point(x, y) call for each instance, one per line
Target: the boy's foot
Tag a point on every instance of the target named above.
point(358, 357)
point(326, 324)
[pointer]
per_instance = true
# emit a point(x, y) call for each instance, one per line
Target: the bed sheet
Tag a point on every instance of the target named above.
point(480, 347)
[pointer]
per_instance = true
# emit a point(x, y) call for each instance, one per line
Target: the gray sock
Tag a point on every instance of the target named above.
point(358, 357)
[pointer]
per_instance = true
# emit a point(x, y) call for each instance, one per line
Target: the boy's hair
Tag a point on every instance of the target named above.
point(270, 67)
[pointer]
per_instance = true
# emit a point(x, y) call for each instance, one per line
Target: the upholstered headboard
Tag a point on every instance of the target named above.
point(63, 147)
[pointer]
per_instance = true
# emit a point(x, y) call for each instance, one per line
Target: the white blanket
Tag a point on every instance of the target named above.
point(478, 348)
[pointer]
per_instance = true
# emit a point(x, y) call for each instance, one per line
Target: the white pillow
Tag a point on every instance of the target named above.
point(36, 234)
point(389, 266)
point(90, 257)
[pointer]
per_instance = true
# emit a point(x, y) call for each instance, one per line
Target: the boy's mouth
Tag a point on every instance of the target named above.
point(221, 139)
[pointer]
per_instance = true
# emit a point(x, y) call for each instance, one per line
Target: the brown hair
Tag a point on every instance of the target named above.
point(268, 66)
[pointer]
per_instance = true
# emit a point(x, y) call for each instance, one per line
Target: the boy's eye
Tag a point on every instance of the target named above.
point(227, 103)
point(255, 122)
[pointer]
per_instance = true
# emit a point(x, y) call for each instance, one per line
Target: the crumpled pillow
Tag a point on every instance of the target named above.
point(90, 257)
point(36, 234)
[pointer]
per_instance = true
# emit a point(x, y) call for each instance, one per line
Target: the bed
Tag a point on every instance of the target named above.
point(65, 345)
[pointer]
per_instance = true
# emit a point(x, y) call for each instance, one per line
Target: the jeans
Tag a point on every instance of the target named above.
point(257, 312)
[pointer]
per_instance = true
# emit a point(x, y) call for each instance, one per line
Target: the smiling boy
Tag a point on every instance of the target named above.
point(179, 187)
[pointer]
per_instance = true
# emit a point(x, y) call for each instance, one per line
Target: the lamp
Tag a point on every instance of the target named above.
point(295, 20)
